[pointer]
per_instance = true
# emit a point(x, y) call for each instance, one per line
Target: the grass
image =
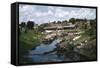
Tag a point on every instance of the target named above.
point(32, 39)
point(90, 49)
point(87, 34)
point(28, 41)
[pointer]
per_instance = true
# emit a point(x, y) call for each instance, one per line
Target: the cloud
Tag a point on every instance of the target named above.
point(42, 14)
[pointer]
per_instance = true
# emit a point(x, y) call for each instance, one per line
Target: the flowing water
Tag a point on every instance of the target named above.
point(48, 53)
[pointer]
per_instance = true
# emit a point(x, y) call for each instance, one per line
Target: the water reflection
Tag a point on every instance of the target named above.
point(43, 48)
point(51, 53)
point(51, 57)
point(47, 53)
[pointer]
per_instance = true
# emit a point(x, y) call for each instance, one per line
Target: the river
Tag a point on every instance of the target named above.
point(48, 53)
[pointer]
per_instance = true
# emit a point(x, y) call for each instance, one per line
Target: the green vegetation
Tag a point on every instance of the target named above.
point(72, 20)
point(88, 35)
point(31, 35)
point(28, 41)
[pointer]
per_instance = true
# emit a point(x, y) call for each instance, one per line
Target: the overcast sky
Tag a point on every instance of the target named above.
point(43, 14)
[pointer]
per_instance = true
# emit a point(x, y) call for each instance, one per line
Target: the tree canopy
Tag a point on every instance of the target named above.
point(72, 20)
point(30, 24)
point(23, 24)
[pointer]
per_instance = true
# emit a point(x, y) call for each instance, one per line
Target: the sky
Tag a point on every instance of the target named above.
point(44, 14)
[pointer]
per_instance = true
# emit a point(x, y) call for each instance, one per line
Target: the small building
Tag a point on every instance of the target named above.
point(60, 27)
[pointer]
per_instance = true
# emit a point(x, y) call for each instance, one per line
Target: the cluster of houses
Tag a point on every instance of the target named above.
point(69, 25)
point(68, 29)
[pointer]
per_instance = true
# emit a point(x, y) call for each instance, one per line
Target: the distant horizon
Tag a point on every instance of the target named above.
point(45, 14)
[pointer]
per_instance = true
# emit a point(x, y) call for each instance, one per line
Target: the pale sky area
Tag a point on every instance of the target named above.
point(44, 14)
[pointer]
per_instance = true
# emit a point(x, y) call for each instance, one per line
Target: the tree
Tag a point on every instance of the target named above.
point(54, 22)
point(44, 24)
point(58, 22)
point(41, 28)
point(23, 24)
point(93, 23)
point(65, 22)
point(85, 20)
point(72, 20)
point(30, 24)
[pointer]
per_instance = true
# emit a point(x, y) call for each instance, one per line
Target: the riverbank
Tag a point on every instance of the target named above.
point(32, 40)
point(28, 41)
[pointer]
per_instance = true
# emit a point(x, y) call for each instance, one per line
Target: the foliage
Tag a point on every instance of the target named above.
point(30, 24)
point(41, 28)
point(28, 41)
point(23, 24)
point(72, 20)
point(59, 22)
point(93, 24)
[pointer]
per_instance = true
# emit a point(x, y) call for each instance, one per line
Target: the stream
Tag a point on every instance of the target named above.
point(48, 53)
